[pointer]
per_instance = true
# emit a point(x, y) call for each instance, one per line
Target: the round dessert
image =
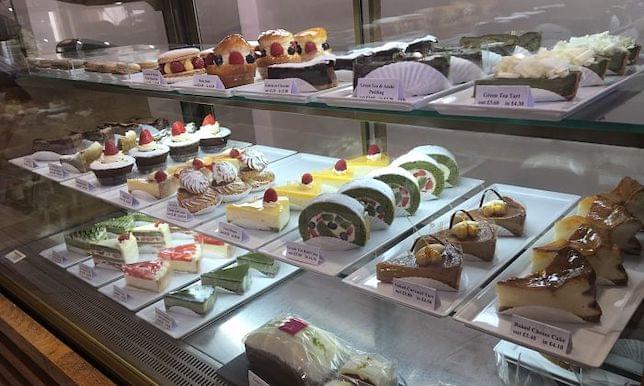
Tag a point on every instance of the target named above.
point(148, 154)
point(175, 65)
point(113, 166)
point(226, 182)
point(212, 137)
point(253, 170)
point(183, 146)
point(312, 42)
point(232, 61)
point(275, 47)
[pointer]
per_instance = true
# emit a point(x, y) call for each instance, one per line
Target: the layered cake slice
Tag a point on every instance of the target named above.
point(260, 262)
point(405, 188)
point(567, 283)
point(158, 184)
point(376, 197)
point(427, 171)
point(118, 225)
point(115, 252)
point(446, 161)
point(477, 238)
point(339, 175)
point(213, 246)
point(148, 275)
point(79, 162)
point(234, 279)
point(156, 234)
point(186, 258)
point(81, 240)
point(271, 213)
point(199, 299)
point(504, 212)
point(300, 194)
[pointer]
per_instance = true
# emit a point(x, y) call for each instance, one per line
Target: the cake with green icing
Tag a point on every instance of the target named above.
point(234, 279)
point(334, 221)
point(82, 238)
point(376, 197)
point(446, 161)
point(427, 171)
point(405, 188)
point(119, 225)
point(260, 262)
point(197, 298)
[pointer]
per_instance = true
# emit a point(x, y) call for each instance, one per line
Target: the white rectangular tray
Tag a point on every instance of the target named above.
point(20, 162)
point(462, 102)
point(343, 97)
point(256, 91)
point(273, 154)
point(188, 321)
point(91, 178)
point(334, 262)
point(44, 171)
point(591, 342)
point(101, 277)
point(69, 257)
point(542, 207)
point(143, 201)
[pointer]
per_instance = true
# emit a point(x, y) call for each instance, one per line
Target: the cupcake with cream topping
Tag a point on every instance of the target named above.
point(148, 154)
point(212, 137)
point(183, 145)
point(113, 166)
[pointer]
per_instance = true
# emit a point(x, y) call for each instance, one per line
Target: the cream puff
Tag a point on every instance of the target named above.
point(177, 64)
point(276, 47)
point(232, 61)
point(312, 42)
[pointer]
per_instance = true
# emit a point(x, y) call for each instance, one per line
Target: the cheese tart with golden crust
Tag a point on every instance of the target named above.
point(233, 61)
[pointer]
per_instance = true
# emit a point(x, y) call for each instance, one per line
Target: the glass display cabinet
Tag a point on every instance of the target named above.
point(450, 187)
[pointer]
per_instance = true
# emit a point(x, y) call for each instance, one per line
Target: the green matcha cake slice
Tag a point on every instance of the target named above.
point(81, 239)
point(118, 225)
point(405, 188)
point(235, 279)
point(260, 262)
point(427, 171)
point(446, 161)
point(376, 197)
point(197, 298)
point(334, 221)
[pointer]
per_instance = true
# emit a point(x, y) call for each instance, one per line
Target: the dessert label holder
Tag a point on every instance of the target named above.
point(120, 294)
point(280, 86)
point(409, 291)
point(175, 212)
point(380, 89)
point(15, 256)
point(83, 184)
point(507, 96)
point(255, 380)
point(153, 77)
point(163, 319)
point(207, 81)
point(541, 335)
point(57, 171)
point(232, 232)
point(128, 199)
point(86, 271)
point(303, 253)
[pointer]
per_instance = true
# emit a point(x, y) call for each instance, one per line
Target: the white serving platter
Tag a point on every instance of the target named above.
point(44, 171)
point(343, 97)
point(136, 81)
point(273, 154)
point(462, 102)
point(142, 200)
point(256, 91)
point(67, 258)
point(335, 262)
point(91, 178)
point(542, 207)
point(591, 342)
point(101, 276)
point(21, 163)
point(188, 321)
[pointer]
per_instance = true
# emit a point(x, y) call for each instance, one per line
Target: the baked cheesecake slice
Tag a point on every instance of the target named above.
point(186, 258)
point(567, 283)
point(158, 185)
point(271, 213)
point(503, 212)
point(631, 193)
point(148, 275)
point(623, 227)
point(198, 298)
point(477, 238)
point(260, 262)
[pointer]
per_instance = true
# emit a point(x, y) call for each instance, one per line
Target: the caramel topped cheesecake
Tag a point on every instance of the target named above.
point(567, 283)
point(477, 238)
point(621, 224)
point(503, 212)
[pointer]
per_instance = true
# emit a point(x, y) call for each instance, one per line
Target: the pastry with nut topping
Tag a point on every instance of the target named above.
point(503, 212)
point(476, 237)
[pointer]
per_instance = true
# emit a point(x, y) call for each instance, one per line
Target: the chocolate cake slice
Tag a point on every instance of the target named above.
point(67, 145)
point(318, 73)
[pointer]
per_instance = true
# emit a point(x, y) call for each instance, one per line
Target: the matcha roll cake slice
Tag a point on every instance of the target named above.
point(376, 197)
point(334, 221)
point(405, 188)
point(427, 171)
point(446, 161)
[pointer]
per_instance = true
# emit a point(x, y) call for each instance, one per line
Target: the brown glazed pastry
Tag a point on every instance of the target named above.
point(504, 212)
point(312, 42)
point(232, 61)
point(275, 47)
point(123, 68)
point(477, 238)
point(430, 258)
point(67, 145)
point(628, 192)
point(567, 283)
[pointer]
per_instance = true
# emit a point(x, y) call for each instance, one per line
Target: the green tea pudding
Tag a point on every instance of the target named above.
point(80, 240)
point(405, 188)
point(376, 197)
point(334, 221)
point(446, 161)
point(427, 171)
point(198, 298)
point(260, 262)
point(118, 225)
point(234, 279)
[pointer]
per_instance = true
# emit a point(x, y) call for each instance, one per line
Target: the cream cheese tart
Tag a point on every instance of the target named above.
point(158, 184)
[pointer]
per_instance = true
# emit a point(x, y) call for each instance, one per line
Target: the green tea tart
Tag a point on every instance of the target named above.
point(260, 262)
point(234, 279)
point(377, 198)
point(198, 298)
point(334, 222)
point(427, 171)
point(446, 161)
point(118, 225)
point(405, 188)
point(82, 238)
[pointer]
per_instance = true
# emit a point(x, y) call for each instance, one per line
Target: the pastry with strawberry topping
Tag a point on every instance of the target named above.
point(232, 156)
point(302, 192)
point(212, 137)
point(312, 42)
point(275, 47)
point(158, 184)
point(113, 166)
point(152, 275)
point(233, 61)
point(183, 145)
point(185, 258)
point(271, 213)
point(148, 154)
point(335, 177)
point(180, 64)
point(374, 159)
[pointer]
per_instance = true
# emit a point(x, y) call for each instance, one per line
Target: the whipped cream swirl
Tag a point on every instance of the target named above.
point(224, 172)
point(254, 160)
point(193, 181)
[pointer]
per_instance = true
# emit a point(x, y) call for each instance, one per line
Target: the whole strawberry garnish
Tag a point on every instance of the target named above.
point(160, 176)
point(270, 195)
point(310, 48)
point(197, 163)
point(341, 165)
point(110, 148)
point(177, 67)
point(208, 120)
point(373, 150)
point(123, 237)
point(234, 153)
point(178, 128)
point(235, 58)
point(145, 137)
point(307, 178)
point(277, 49)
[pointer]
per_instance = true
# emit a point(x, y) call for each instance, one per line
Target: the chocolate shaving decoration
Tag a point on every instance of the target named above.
point(451, 220)
point(485, 192)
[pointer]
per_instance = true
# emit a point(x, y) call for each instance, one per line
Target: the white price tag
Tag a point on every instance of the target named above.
point(85, 185)
point(127, 199)
point(280, 86)
point(30, 163)
point(58, 257)
point(232, 232)
point(163, 319)
point(303, 253)
point(380, 89)
point(504, 96)
point(541, 335)
point(255, 380)
point(419, 293)
point(153, 77)
point(175, 212)
point(15, 256)
point(208, 81)
point(57, 170)
point(86, 272)
point(121, 294)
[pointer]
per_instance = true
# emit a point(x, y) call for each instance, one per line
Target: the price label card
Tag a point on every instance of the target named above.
point(85, 185)
point(175, 212)
point(163, 319)
point(504, 96)
point(418, 293)
point(121, 294)
point(86, 272)
point(153, 77)
point(208, 81)
point(380, 89)
point(30, 163)
point(255, 380)
point(303, 253)
point(232, 232)
point(541, 335)
point(15, 256)
point(280, 86)
point(127, 199)
point(58, 257)
point(57, 170)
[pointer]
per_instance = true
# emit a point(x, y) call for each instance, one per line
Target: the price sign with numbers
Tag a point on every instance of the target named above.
point(303, 253)
point(541, 334)
point(416, 293)
point(504, 96)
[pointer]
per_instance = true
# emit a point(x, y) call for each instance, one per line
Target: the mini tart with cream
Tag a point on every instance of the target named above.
point(301, 193)
point(195, 193)
point(253, 170)
point(312, 42)
point(226, 182)
point(477, 238)
point(271, 213)
point(212, 137)
point(374, 159)
point(233, 61)
point(339, 175)
point(185, 258)
point(148, 275)
point(148, 154)
point(177, 64)
point(183, 146)
point(112, 167)
point(503, 212)
point(275, 47)
point(158, 184)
